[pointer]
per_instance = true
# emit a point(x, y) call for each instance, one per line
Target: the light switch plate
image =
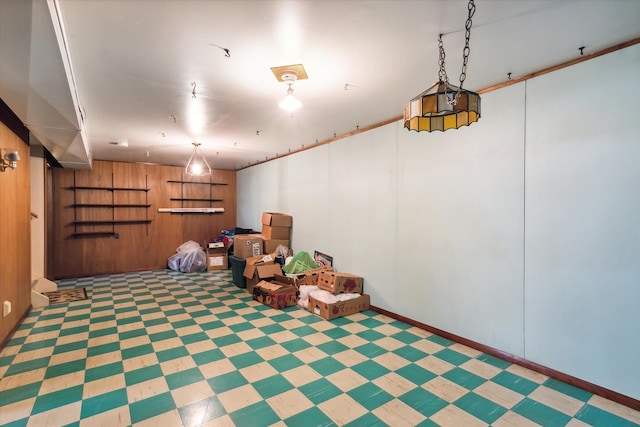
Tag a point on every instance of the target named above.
point(6, 308)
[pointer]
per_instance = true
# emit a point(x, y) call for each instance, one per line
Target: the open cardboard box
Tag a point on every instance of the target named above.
point(270, 245)
point(279, 293)
point(276, 219)
point(310, 277)
point(261, 267)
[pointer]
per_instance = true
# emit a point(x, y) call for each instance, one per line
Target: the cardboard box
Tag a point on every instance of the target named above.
point(310, 277)
point(260, 268)
point(338, 309)
point(270, 245)
point(254, 261)
point(276, 294)
point(276, 219)
point(269, 232)
point(217, 259)
point(247, 245)
point(338, 283)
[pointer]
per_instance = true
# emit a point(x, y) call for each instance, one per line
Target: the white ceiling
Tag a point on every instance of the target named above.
point(83, 74)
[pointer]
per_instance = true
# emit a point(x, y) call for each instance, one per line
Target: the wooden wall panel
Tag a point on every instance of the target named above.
point(167, 230)
point(136, 246)
point(82, 253)
point(131, 247)
point(15, 229)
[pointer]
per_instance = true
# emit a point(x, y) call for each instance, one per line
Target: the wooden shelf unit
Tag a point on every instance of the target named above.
point(112, 206)
point(182, 199)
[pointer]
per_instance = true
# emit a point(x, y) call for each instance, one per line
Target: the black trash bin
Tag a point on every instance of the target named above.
point(237, 271)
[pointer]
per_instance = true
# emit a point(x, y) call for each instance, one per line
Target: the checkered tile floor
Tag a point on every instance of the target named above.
point(168, 349)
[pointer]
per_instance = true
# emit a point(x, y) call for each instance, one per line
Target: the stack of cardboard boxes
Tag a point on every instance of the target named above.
point(265, 282)
point(338, 283)
point(276, 230)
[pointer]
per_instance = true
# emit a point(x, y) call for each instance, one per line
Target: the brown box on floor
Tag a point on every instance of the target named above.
point(247, 245)
point(279, 293)
point(338, 309)
point(217, 259)
point(338, 283)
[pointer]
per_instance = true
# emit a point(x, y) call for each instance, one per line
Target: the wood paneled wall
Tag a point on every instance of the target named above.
point(15, 235)
point(138, 246)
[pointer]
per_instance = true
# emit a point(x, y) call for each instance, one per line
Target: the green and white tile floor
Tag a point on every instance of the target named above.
point(167, 349)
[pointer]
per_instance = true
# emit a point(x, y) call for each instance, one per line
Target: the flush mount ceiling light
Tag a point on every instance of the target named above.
point(445, 106)
point(197, 165)
point(289, 74)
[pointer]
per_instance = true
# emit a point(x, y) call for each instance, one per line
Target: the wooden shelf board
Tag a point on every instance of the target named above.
point(106, 222)
point(94, 234)
point(192, 210)
point(107, 205)
point(107, 188)
point(178, 199)
point(196, 182)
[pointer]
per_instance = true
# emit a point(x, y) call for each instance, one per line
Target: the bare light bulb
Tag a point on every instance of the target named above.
point(290, 103)
point(196, 169)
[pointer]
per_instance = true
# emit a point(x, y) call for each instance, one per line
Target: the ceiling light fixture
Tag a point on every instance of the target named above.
point(197, 165)
point(445, 106)
point(290, 103)
point(289, 74)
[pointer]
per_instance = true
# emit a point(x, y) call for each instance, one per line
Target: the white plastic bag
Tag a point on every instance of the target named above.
point(189, 258)
point(194, 260)
point(188, 246)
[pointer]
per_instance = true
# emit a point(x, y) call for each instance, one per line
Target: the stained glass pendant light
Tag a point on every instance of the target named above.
point(445, 106)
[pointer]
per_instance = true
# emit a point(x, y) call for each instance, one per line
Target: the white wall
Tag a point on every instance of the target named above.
point(582, 221)
point(460, 230)
point(519, 232)
point(37, 224)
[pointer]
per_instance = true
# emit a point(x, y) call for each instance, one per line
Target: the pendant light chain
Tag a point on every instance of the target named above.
point(442, 73)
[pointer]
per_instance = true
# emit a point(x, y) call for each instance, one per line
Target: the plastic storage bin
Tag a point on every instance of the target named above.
point(237, 271)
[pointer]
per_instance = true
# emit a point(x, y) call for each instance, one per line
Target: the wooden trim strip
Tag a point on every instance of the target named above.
point(482, 91)
point(561, 66)
point(552, 373)
point(326, 141)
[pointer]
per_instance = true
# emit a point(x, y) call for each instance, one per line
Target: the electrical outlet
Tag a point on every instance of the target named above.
point(6, 308)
